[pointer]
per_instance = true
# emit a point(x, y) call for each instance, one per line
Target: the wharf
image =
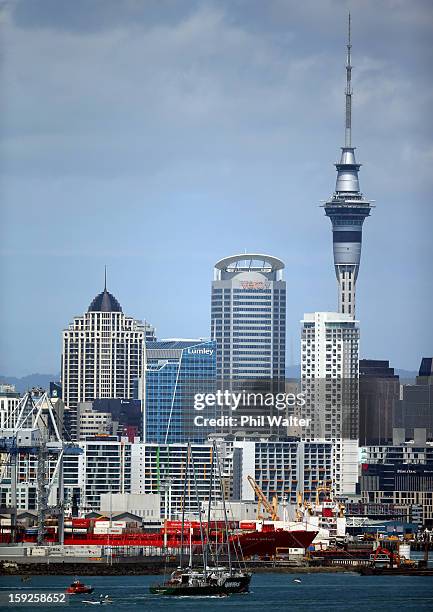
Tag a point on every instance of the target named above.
point(397, 571)
point(130, 566)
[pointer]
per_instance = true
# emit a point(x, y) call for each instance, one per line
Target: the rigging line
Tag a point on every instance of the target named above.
point(224, 508)
point(209, 545)
point(185, 476)
point(199, 515)
point(238, 542)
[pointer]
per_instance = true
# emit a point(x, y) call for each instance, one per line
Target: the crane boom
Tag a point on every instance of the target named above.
point(271, 509)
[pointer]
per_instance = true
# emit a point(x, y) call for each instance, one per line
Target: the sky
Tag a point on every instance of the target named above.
point(157, 137)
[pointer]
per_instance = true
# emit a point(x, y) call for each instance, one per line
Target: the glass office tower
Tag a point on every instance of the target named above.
point(248, 318)
point(177, 370)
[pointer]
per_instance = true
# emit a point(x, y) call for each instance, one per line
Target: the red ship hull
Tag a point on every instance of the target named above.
point(249, 543)
point(267, 543)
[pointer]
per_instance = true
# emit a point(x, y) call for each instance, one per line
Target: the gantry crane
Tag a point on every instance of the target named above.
point(32, 429)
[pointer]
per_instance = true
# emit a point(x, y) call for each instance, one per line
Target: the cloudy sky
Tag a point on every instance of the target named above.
point(157, 136)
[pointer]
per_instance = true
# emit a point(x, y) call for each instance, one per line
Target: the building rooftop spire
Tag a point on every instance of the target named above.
point(105, 301)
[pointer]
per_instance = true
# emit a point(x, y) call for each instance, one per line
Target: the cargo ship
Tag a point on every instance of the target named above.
point(253, 539)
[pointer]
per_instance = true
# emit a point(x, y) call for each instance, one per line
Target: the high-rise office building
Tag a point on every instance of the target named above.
point(415, 408)
point(379, 388)
point(425, 373)
point(248, 317)
point(347, 209)
point(329, 380)
point(175, 371)
point(102, 355)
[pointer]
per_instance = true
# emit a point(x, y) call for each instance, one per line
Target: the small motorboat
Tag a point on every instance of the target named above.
point(298, 580)
point(78, 588)
point(103, 601)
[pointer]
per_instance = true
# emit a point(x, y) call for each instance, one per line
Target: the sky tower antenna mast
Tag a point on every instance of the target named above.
point(348, 207)
point(348, 134)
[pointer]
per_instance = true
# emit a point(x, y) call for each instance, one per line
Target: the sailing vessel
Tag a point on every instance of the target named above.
point(210, 580)
point(215, 581)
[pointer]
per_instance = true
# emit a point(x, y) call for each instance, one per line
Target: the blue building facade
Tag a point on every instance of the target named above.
point(176, 370)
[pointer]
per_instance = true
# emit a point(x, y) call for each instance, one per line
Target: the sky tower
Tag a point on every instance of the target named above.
point(347, 208)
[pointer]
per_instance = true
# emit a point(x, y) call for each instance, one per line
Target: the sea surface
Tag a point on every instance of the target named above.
point(269, 593)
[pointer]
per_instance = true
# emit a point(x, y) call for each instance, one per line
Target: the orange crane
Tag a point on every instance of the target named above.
point(299, 502)
point(381, 552)
point(327, 490)
point(322, 489)
point(271, 508)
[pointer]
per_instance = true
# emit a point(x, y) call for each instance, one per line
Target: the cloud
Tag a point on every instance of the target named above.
point(148, 132)
point(143, 94)
point(96, 15)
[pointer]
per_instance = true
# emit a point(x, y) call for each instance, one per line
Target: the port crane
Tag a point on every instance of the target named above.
point(33, 429)
point(262, 500)
point(323, 488)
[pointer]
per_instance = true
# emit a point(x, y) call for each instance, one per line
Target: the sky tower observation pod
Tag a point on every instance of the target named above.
point(267, 265)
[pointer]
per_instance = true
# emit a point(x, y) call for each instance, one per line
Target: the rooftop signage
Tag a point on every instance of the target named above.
point(255, 284)
point(200, 351)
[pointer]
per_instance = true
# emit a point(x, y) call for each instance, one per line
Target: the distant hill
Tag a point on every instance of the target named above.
point(293, 371)
point(406, 375)
point(27, 382)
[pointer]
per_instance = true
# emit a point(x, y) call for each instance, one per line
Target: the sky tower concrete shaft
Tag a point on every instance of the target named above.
point(347, 208)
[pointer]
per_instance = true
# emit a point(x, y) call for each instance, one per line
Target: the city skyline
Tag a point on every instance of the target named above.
point(191, 134)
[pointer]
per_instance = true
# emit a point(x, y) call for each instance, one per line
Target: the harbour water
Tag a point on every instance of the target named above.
point(316, 592)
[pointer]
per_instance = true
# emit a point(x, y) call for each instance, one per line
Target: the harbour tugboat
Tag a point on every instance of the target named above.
point(78, 588)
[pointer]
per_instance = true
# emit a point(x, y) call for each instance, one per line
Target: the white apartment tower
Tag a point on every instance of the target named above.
point(329, 377)
point(102, 355)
